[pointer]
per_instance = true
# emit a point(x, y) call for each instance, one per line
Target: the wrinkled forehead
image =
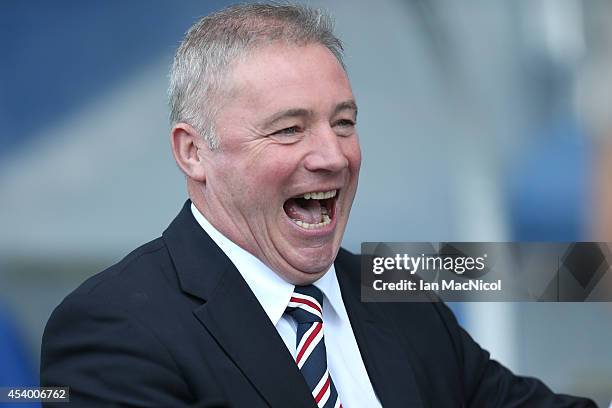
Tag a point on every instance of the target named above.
point(280, 71)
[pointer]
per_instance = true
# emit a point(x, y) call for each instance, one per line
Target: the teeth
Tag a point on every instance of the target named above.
point(326, 220)
point(320, 195)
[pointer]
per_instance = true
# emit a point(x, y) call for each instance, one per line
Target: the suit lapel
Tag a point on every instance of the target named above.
point(387, 362)
point(233, 316)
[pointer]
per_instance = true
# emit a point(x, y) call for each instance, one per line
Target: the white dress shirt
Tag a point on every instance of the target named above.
point(344, 360)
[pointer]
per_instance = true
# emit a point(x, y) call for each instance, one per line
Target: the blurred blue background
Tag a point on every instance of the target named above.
point(479, 121)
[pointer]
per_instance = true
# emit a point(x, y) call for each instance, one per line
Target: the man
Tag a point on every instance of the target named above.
point(247, 299)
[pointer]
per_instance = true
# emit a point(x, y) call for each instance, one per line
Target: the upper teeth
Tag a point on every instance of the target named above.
point(320, 195)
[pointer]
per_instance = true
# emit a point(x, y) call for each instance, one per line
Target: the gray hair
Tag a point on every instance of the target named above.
point(202, 61)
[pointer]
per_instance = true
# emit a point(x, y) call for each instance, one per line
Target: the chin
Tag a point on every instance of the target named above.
point(315, 260)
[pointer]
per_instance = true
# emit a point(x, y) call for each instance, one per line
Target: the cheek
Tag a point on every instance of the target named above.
point(352, 151)
point(266, 181)
point(276, 168)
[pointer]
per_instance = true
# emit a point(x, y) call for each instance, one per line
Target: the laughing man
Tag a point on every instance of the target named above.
point(247, 299)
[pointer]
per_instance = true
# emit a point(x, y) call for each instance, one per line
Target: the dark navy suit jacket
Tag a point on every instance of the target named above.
point(174, 324)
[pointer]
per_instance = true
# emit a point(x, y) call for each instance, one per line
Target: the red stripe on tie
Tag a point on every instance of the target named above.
point(313, 334)
point(322, 391)
point(306, 302)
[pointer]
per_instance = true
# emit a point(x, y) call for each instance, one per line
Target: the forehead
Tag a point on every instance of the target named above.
point(275, 75)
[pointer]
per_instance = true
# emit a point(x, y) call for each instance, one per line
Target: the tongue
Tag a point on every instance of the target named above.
point(304, 210)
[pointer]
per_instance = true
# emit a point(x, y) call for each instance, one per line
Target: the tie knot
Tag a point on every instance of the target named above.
point(305, 305)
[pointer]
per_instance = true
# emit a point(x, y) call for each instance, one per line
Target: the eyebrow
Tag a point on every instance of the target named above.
point(346, 105)
point(300, 112)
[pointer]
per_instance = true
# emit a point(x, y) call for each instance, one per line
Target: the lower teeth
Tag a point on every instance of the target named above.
point(326, 221)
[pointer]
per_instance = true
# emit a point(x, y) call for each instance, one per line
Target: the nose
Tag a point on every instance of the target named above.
point(326, 152)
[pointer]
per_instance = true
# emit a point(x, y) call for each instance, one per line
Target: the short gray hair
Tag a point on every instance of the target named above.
point(202, 61)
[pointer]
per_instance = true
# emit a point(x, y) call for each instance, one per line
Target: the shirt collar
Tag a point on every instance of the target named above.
point(272, 291)
point(328, 284)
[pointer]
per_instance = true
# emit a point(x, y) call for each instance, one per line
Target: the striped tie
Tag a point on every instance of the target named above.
point(311, 358)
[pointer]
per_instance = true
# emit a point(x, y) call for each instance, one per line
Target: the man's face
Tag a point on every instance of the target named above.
point(286, 131)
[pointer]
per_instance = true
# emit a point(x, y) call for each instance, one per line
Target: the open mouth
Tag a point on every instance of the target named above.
point(312, 210)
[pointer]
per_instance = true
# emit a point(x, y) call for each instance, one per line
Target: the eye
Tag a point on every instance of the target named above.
point(344, 123)
point(344, 127)
point(290, 131)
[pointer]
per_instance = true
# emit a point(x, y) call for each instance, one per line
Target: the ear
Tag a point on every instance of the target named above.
point(186, 144)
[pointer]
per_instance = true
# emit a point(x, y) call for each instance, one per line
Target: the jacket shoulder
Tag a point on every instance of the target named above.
point(138, 267)
point(111, 323)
